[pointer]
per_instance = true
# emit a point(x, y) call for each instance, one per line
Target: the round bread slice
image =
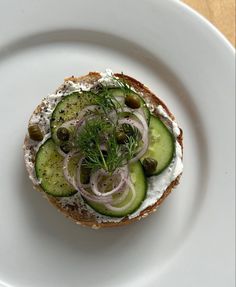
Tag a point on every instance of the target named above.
point(74, 211)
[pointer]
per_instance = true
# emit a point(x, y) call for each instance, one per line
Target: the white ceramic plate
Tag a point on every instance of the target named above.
point(189, 241)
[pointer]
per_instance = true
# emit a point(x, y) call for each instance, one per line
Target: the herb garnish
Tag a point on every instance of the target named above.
point(97, 138)
point(97, 141)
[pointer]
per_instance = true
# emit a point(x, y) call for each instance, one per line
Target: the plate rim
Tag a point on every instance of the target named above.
point(204, 21)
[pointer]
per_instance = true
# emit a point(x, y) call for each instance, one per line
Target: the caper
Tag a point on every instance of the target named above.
point(63, 134)
point(121, 137)
point(132, 101)
point(35, 132)
point(149, 165)
point(66, 147)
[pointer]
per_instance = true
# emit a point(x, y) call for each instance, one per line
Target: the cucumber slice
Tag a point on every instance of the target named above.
point(140, 184)
point(49, 170)
point(161, 144)
point(117, 92)
point(68, 109)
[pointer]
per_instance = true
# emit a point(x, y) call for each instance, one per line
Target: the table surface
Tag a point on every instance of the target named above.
point(220, 13)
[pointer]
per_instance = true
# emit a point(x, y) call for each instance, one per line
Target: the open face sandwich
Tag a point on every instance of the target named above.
point(103, 149)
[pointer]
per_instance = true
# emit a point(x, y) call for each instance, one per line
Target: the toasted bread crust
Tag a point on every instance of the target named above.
point(83, 217)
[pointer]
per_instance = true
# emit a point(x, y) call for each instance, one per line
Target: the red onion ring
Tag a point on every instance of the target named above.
point(70, 123)
point(122, 172)
point(140, 115)
point(84, 192)
point(142, 119)
point(132, 122)
point(101, 199)
point(90, 108)
point(120, 99)
point(122, 197)
point(113, 208)
point(82, 114)
point(143, 129)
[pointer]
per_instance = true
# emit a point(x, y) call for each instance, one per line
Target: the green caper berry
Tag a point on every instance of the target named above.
point(66, 147)
point(132, 101)
point(121, 137)
point(63, 134)
point(35, 133)
point(149, 165)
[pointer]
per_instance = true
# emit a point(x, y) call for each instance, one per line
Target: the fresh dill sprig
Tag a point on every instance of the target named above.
point(98, 143)
point(114, 158)
point(132, 143)
point(90, 140)
point(106, 101)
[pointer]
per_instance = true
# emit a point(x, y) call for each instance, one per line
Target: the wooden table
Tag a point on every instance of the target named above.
point(221, 13)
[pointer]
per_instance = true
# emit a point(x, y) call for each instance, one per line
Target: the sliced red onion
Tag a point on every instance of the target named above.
point(70, 123)
point(83, 116)
point(114, 208)
point(140, 115)
point(87, 109)
point(113, 116)
point(66, 173)
point(60, 151)
point(132, 122)
point(121, 197)
point(143, 129)
point(120, 99)
point(142, 119)
point(140, 153)
point(121, 172)
point(123, 193)
point(84, 192)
